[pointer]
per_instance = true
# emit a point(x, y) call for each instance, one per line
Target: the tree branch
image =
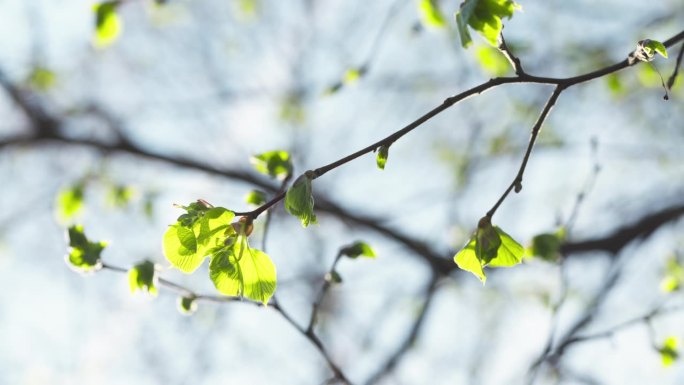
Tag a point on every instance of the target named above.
point(517, 181)
point(620, 238)
point(308, 334)
point(410, 339)
point(675, 72)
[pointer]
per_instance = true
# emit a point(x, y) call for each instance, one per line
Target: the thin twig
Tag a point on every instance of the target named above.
point(517, 181)
point(675, 72)
point(327, 283)
point(388, 366)
point(588, 186)
point(506, 51)
point(309, 334)
point(313, 338)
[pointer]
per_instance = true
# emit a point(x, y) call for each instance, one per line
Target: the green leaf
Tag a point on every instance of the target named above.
point(490, 246)
point(148, 204)
point(510, 252)
point(333, 277)
point(249, 8)
point(107, 23)
point(647, 49)
point(487, 242)
point(656, 46)
point(547, 246)
point(187, 244)
point(430, 14)
point(238, 270)
point(120, 196)
point(358, 249)
point(484, 17)
point(381, 159)
point(143, 276)
point(468, 260)
point(299, 199)
point(615, 84)
point(352, 75)
point(492, 61)
point(255, 198)
point(187, 305)
point(41, 79)
point(276, 164)
point(84, 255)
point(668, 351)
point(70, 202)
point(674, 276)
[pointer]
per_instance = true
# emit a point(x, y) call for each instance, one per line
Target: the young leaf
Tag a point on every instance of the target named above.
point(187, 305)
point(510, 252)
point(276, 164)
point(483, 16)
point(70, 202)
point(468, 260)
point(333, 277)
point(352, 75)
point(647, 49)
point(107, 23)
point(358, 249)
point(674, 276)
point(490, 246)
point(41, 79)
point(255, 198)
point(238, 270)
point(381, 159)
point(186, 244)
point(119, 196)
point(487, 242)
point(668, 351)
point(84, 256)
point(547, 246)
point(299, 199)
point(430, 14)
point(143, 276)
point(492, 61)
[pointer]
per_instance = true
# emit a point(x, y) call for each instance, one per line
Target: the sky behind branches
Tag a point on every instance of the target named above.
point(206, 81)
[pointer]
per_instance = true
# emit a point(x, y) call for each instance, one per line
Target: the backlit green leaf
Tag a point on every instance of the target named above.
point(187, 244)
point(143, 276)
point(358, 249)
point(467, 260)
point(84, 255)
point(490, 246)
point(70, 202)
point(107, 23)
point(381, 159)
point(656, 47)
point(547, 246)
point(510, 252)
point(299, 199)
point(674, 276)
point(42, 79)
point(483, 16)
point(120, 196)
point(276, 164)
point(492, 61)
point(352, 75)
point(333, 277)
point(238, 270)
point(430, 14)
point(668, 351)
point(255, 198)
point(187, 305)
